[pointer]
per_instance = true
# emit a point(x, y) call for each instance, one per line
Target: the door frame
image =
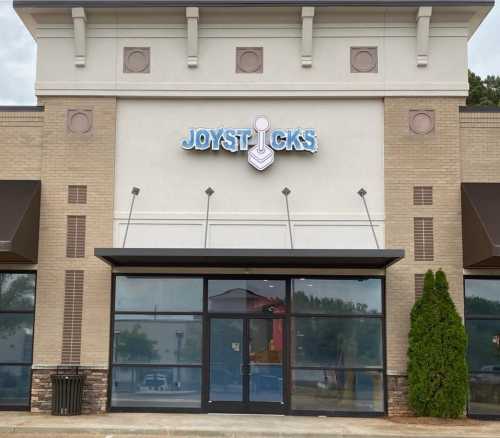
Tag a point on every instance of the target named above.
point(246, 406)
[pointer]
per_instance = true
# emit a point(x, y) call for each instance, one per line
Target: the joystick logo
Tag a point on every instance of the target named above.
point(260, 143)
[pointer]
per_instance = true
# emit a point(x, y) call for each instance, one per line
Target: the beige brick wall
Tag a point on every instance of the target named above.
point(75, 159)
point(414, 160)
point(480, 146)
point(21, 144)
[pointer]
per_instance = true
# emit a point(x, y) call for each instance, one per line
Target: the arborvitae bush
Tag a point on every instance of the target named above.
point(437, 367)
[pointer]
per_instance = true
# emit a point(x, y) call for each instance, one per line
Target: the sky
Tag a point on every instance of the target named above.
point(18, 54)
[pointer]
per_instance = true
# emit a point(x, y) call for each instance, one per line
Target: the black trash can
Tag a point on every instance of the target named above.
point(67, 392)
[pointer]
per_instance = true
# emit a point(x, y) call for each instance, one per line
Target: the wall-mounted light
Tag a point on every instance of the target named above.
point(286, 192)
point(209, 191)
point(135, 192)
point(362, 193)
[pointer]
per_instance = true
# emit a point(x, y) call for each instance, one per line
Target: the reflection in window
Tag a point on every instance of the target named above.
point(158, 294)
point(157, 339)
point(359, 296)
point(484, 345)
point(337, 342)
point(14, 385)
point(17, 291)
point(484, 394)
point(337, 327)
point(482, 297)
point(147, 387)
point(337, 390)
point(17, 298)
point(16, 337)
point(482, 321)
point(247, 296)
point(167, 335)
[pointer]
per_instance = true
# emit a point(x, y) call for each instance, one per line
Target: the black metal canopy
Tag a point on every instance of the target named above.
point(251, 258)
point(19, 220)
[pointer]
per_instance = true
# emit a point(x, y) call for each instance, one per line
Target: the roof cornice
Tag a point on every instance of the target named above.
point(234, 3)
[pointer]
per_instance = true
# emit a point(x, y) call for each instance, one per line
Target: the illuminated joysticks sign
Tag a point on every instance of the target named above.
point(261, 152)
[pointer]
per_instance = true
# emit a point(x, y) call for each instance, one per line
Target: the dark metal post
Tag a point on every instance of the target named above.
point(286, 191)
point(135, 192)
point(209, 191)
point(362, 192)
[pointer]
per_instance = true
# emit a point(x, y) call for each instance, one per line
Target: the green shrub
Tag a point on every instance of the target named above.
point(437, 367)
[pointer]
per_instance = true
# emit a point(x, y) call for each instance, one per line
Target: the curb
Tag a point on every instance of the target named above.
point(220, 433)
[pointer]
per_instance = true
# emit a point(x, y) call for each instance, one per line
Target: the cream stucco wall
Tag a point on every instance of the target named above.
point(277, 29)
point(248, 209)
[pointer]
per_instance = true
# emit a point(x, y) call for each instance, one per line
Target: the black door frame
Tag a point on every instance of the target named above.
point(246, 405)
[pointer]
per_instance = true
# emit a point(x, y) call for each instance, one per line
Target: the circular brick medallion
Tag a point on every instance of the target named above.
point(249, 61)
point(421, 122)
point(137, 61)
point(364, 61)
point(79, 122)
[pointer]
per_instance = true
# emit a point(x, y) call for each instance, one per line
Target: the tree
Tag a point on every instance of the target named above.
point(483, 92)
point(437, 368)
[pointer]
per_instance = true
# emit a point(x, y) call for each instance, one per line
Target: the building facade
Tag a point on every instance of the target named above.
point(230, 207)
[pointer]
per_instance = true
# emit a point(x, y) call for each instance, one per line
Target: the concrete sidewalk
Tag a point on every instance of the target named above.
point(224, 425)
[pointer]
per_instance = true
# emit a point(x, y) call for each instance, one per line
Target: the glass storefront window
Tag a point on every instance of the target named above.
point(332, 332)
point(158, 294)
point(340, 297)
point(17, 291)
point(330, 390)
point(482, 322)
point(484, 394)
point(167, 339)
point(482, 297)
point(17, 300)
point(247, 296)
point(337, 345)
point(337, 342)
point(15, 383)
point(484, 345)
point(157, 322)
point(156, 387)
point(16, 337)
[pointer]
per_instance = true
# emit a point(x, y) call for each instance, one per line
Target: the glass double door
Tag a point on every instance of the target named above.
point(246, 372)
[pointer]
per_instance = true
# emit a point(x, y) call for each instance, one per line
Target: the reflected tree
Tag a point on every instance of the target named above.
point(135, 346)
point(16, 293)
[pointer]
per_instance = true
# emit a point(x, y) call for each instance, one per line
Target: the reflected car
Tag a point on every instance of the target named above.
point(154, 382)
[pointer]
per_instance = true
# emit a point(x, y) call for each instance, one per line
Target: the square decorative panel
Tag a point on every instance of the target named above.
point(79, 121)
point(136, 60)
point(77, 194)
point(249, 59)
point(422, 195)
point(422, 122)
point(364, 60)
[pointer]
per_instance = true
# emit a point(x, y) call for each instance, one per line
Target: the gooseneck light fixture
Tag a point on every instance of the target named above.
point(362, 193)
point(135, 192)
point(286, 191)
point(209, 191)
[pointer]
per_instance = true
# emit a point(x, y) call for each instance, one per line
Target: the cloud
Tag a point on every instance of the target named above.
point(17, 59)
point(18, 54)
point(484, 55)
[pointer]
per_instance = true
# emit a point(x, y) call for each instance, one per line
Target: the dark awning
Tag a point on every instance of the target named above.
point(251, 258)
point(481, 225)
point(19, 220)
